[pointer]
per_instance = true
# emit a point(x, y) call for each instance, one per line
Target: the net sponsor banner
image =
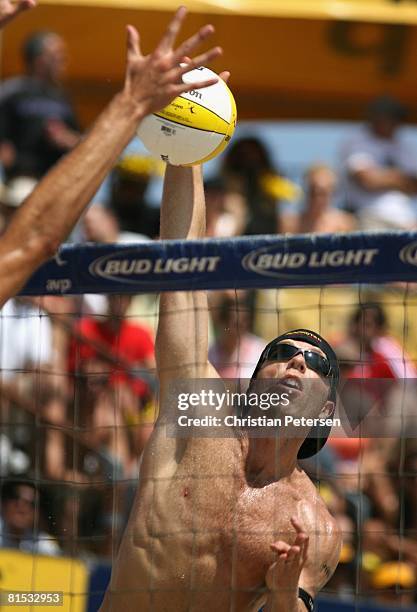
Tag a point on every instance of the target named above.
point(328, 604)
point(265, 261)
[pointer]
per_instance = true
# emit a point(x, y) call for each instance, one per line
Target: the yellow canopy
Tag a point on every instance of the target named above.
point(288, 58)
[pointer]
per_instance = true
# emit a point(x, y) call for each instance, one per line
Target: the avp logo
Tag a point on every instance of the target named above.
point(408, 254)
point(58, 285)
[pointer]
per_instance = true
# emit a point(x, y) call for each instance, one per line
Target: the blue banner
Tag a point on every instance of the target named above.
point(262, 261)
point(329, 604)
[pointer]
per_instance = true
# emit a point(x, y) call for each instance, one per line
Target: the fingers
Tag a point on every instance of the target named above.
point(287, 553)
point(201, 60)
point(296, 524)
point(184, 87)
point(297, 551)
point(171, 33)
point(302, 538)
point(27, 4)
point(225, 75)
point(133, 46)
point(190, 44)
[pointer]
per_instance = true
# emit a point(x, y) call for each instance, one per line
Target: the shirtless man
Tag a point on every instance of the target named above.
point(225, 523)
point(47, 216)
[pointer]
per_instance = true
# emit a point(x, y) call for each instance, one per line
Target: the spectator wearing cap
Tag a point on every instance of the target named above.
point(380, 170)
point(19, 520)
point(37, 122)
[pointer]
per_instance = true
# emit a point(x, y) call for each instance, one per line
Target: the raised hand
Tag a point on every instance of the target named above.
point(9, 10)
point(154, 80)
point(285, 572)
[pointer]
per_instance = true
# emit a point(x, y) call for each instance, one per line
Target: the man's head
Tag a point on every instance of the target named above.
point(320, 186)
point(385, 115)
point(18, 503)
point(306, 367)
point(45, 56)
point(367, 323)
point(247, 156)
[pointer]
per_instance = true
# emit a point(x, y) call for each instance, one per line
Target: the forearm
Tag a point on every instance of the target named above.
point(181, 343)
point(183, 212)
point(379, 179)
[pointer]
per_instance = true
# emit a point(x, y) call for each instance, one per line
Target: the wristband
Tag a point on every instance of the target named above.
point(307, 600)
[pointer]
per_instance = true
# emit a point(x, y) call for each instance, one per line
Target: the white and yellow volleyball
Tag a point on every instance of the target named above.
point(195, 127)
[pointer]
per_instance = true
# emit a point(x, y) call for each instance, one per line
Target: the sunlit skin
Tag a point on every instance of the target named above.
point(275, 457)
point(304, 402)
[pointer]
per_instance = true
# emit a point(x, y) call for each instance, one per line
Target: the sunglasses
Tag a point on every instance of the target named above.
point(314, 361)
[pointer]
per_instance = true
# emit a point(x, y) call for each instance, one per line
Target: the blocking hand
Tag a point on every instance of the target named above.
point(154, 80)
point(9, 9)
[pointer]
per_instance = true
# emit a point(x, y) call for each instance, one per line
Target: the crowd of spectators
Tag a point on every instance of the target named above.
point(78, 387)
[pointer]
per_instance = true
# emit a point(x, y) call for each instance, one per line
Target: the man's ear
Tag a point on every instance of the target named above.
point(328, 409)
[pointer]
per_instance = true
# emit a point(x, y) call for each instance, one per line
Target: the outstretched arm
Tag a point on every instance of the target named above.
point(182, 338)
point(9, 10)
point(48, 215)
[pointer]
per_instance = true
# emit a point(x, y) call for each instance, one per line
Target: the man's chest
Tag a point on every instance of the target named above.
point(235, 523)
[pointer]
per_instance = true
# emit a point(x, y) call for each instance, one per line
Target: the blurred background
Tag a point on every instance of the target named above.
point(326, 142)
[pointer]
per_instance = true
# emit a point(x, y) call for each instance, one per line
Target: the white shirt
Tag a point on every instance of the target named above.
point(25, 337)
point(366, 150)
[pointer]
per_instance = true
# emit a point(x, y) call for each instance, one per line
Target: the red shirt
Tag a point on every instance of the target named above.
point(132, 343)
point(387, 359)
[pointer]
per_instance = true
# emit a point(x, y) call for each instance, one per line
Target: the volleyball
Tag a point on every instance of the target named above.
point(193, 128)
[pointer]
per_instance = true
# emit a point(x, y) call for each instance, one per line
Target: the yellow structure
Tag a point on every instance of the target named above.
point(25, 572)
point(288, 58)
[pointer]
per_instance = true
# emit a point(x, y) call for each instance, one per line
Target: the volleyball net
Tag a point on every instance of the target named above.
point(79, 396)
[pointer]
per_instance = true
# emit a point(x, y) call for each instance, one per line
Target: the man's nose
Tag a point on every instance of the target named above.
point(298, 363)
